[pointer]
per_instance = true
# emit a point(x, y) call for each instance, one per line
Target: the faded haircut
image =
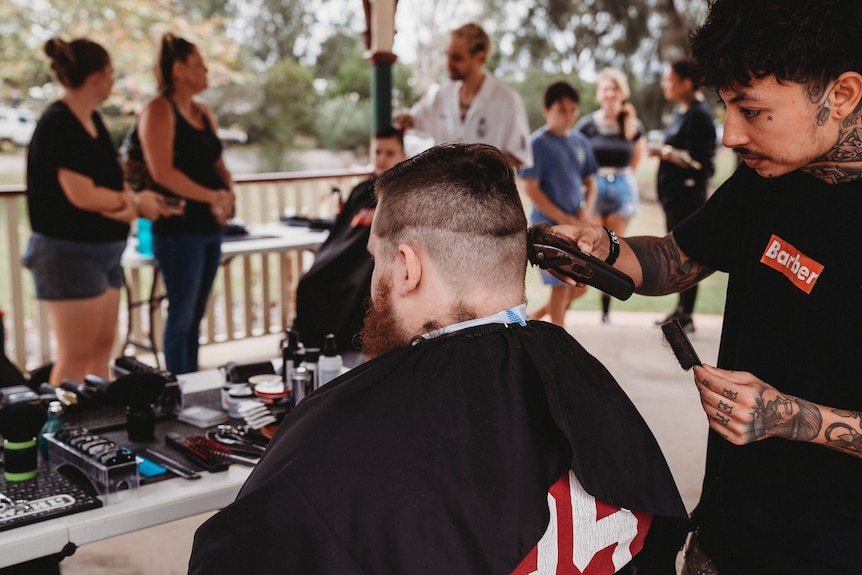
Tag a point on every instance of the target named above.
point(459, 204)
point(802, 41)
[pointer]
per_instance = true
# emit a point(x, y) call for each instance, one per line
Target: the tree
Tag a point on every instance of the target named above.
point(286, 109)
point(337, 49)
point(129, 31)
point(273, 31)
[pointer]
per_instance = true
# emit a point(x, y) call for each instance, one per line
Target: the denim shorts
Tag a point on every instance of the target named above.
point(67, 269)
point(618, 195)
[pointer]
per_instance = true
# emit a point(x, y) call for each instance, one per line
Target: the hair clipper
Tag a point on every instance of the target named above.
point(553, 252)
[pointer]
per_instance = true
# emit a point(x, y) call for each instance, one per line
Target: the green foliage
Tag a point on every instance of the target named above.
point(260, 75)
point(276, 27)
point(353, 77)
point(344, 123)
point(286, 108)
point(404, 92)
point(335, 51)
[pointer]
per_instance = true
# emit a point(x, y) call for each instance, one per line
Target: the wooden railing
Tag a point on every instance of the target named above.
point(246, 303)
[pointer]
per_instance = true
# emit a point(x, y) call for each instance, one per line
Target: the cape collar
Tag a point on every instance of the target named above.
point(513, 315)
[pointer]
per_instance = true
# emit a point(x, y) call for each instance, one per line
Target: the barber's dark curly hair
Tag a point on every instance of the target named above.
point(804, 41)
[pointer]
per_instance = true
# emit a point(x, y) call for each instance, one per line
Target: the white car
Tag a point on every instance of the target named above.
point(16, 126)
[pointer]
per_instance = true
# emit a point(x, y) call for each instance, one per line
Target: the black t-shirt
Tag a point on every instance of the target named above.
point(60, 141)
point(793, 318)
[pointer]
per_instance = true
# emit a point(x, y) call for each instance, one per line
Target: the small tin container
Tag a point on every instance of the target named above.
point(265, 378)
point(273, 393)
point(225, 393)
point(236, 396)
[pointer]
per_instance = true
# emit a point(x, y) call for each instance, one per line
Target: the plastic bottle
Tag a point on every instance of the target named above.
point(52, 425)
point(330, 363)
point(145, 237)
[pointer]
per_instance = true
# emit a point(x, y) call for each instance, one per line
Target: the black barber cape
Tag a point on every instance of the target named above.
point(437, 459)
point(330, 296)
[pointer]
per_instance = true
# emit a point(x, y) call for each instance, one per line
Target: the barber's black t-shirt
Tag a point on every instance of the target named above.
point(60, 141)
point(793, 318)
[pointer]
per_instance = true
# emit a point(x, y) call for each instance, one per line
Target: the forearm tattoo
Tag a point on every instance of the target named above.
point(846, 435)
point(779, 415)
point(785, 416)
point(664, 267)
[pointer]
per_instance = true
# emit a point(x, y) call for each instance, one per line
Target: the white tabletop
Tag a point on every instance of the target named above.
point(264, 238)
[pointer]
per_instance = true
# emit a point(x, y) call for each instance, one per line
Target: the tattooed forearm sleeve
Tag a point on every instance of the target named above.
point(845, 432)
point(665, 268)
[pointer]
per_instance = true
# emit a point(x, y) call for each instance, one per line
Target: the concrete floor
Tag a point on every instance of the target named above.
point(631, 348)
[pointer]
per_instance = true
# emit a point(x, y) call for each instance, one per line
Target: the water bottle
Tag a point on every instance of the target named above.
point(53, 425)
point(330, 362)
point(145, 237)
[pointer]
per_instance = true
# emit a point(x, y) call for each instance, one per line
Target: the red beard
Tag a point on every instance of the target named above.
point(381, 331)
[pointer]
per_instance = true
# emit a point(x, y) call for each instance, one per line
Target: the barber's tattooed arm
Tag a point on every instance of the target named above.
point(743, 409)
point(665, 268)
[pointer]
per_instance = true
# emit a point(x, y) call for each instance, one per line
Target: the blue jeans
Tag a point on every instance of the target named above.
point(188, 263)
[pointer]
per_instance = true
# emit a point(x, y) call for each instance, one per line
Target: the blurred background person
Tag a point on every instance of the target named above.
point(474, 107)
point(687, 162)
point(184, 157)
point(561, 183)
point(80, 210)
point(331, 295)
point(617, 138)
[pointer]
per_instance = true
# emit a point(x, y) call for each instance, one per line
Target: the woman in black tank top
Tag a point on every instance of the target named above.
point(184, 157)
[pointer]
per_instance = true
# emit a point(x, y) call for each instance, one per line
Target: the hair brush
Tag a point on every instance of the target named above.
point(207, 452)
point(674, 334)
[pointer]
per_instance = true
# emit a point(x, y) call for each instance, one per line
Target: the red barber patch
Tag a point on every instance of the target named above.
point(801, 270)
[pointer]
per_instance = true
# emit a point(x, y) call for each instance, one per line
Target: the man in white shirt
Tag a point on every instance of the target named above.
point(473, 108)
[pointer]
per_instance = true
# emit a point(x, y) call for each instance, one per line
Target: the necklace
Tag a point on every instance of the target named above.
point(463, 107)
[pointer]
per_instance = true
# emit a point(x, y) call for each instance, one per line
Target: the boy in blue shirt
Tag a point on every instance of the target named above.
point(561, 183)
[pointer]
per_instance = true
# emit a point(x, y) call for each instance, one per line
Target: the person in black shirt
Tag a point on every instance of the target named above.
point(79, 211)
point(687, 162)
point(784, 406)
point(183, 155)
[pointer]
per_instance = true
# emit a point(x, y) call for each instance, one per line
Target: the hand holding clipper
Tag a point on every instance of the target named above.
point(549, 251)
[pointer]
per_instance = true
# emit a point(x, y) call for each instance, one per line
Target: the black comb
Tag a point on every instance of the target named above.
point(675, 335)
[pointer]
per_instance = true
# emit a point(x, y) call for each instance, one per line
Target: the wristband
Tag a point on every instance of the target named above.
point(614, 247)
